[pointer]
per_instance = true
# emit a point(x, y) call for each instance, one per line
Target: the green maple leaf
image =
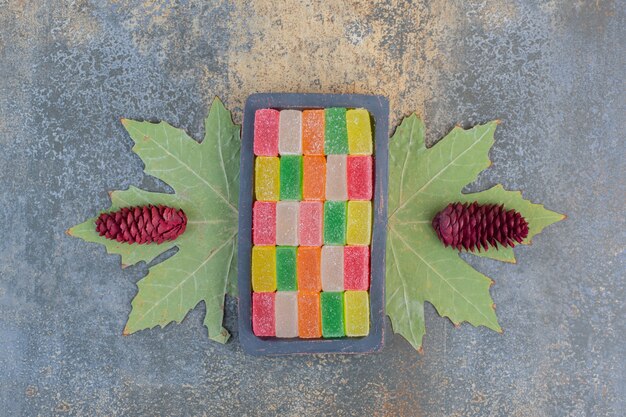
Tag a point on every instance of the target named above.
point(419, 268)
point(205, 179)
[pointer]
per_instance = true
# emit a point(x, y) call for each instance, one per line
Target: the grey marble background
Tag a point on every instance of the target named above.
point(553, 71)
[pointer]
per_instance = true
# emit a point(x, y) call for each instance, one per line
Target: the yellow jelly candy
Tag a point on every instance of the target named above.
point(267, 178)
point(359, 223)
point(356, 309)
point(263, 268)
point(359, 132)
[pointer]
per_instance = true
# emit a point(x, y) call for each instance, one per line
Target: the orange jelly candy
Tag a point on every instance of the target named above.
point(314, 177)
point(313, 132)
point(308, 268)
point(309, 317)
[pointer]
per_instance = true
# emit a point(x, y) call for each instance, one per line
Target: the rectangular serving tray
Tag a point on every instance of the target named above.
point(378, 107)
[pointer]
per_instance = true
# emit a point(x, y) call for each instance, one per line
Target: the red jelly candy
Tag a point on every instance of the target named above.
point(264, 223)
point(266, 132)
point(263, 320)
point(360, 171)
point(356, 268)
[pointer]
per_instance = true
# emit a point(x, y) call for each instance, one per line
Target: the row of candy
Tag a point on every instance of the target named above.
point(311, 223)
point(312, 132)
point(311, 314)
point(336, 177)
point(310, 268)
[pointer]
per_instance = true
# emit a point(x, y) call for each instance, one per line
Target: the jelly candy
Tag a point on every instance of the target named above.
point(263, 320)
point(360, 177)
point(290, 132)
point(264, 223)
point(267, 178)
point(266, 132)
point(263, 268)
point(332, 314)
point(287, 223)
point(356, 313)
point(356, 267)
point(308, 268)
point(359, 132)
point(314, 177)
point(286, 313)
point(359, 228)
point(286, 268)
point(309, 321)
point(291, 177)
point(313, 132)
point(335, 223)
point(336, 178)
point(310, 223)
point(332, 268)
point(335, 131)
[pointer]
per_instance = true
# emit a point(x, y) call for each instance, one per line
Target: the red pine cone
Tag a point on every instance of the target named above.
point(470, 226)
point(145, 224)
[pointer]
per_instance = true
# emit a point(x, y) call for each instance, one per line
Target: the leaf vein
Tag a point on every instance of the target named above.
point(444, 279)
point(439, 173)
point(406, 304)
point(184, 280)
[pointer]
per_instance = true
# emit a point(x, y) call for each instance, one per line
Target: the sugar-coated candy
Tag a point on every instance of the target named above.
point(356, 307)
point(313, 132)
point(267, 178)
point(266, 132)
point(308, 268)
point(334, 222)
point(286, 268)
point(356, 267)
point(335, 131)
point(287, 223)
point(263, 314)
point(314, 177)
point(360, 170)
point(359, 228)
point(359, 132)
point(264, 223)
point(286, 309)
point(291, 177)
point(336, 178)
point(290, 132)
point(332, 314)
point(263, 268)
point(310, 223)
point(332, 268)
point(309, 320)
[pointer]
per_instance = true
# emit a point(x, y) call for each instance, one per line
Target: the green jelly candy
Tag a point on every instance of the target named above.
point(332, 314)
point(336, 131)
point(291, 177)
point(335, 223)
point(286, 268)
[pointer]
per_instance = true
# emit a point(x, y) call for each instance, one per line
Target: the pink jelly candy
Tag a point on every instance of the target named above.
point(263, 320)
point(310, 223)
point(264, 223)
point(266, 132)
point(360, 177)
point(356, 267)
